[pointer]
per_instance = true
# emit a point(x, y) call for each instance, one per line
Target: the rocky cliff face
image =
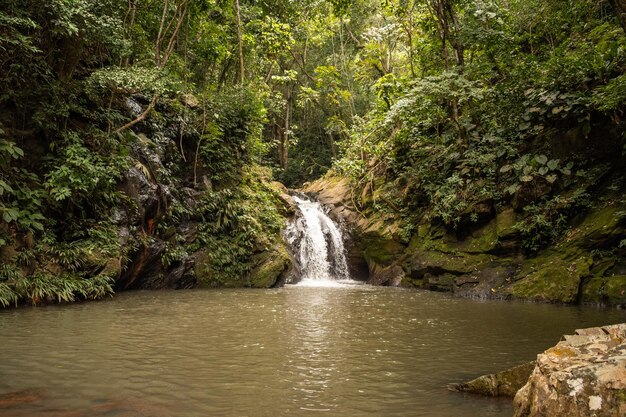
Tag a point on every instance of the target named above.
point(486, 260)
point(583, 375)
point(165, 250)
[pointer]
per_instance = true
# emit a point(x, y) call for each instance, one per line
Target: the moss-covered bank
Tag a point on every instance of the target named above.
point(487, 259)
point(172, 209)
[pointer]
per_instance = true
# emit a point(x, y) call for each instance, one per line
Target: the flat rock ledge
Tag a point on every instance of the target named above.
point(584, 375)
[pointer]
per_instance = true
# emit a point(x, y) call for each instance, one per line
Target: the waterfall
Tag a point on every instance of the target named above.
point(316, 244)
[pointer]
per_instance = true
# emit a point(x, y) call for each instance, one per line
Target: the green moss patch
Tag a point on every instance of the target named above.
point(551, 278)
point(272, 265)
point(605, 290)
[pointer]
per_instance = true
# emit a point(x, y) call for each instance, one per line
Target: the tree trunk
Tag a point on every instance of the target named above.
point(454, 35)
point(285, 137)
point(448, 25)
point(240, 40)
point(162, 57)
point(160, 34)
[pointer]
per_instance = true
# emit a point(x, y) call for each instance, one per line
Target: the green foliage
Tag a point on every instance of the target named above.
point(236, 223)
point(341, 7)
point(82, 175)
point(429, 115)
point(547, 222)
point(612, 96)
point(423, 110)
point(481, 132)
point(233, 137)
point(531, 168)
point(97, 288)
point(43, 286)
point(132, 80)
point(7, 295)
point(173, 253)
point(12, 37)
point(19, 203)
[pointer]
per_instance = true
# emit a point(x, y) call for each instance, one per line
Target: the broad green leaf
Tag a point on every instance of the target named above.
point(5, 187)
point(513, 188)
point(553, 164)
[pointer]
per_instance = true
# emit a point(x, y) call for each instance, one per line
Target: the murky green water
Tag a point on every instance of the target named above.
point(347, 351)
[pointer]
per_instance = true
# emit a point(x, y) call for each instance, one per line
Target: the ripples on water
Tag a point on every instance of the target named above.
point(337, 351)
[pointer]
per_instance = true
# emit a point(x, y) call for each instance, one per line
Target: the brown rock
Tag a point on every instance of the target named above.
point(389, 276)
point(505, 383)
point(582, 376)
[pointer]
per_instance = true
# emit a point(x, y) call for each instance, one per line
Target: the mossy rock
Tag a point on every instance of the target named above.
point(98, 264)
point(208, 277)
point(502, 384)
point(442, 282)
point(409, 282)
point(113, 268)
point(605, 290)
point(488, 282)
point(420, 262)
point(331, 190)
point(552, 277)
point(378, 250)
point(505, 224)
point(600, 228)
point(483, 240)
point(270, 267)
point(432, 237)
point(202, 273)
point(486, 239)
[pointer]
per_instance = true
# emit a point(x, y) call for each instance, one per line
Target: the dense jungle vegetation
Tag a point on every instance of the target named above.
point(142, 137)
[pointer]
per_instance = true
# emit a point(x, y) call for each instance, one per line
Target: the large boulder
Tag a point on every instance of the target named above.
point(584, 375)
point(271, 268)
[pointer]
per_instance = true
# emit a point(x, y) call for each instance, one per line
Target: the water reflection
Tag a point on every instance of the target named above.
point(345, 351)
point(315, 346)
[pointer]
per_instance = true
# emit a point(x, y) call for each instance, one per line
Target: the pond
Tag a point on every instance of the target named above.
point(347, 350)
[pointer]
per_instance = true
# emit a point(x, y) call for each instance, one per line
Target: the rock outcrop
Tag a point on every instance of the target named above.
point(588, 265)
point(584, 375)
point(502, 384)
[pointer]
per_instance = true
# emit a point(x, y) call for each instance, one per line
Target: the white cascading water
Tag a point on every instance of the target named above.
point(317, 245)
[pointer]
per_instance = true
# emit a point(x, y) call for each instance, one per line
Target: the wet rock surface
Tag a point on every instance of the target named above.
point(584, 375)
point(155, 239)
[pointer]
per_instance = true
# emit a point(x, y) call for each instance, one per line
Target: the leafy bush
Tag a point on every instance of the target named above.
point(236, 223)
point(547, 222)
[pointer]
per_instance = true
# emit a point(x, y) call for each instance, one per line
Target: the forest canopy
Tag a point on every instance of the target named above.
point(447, 103)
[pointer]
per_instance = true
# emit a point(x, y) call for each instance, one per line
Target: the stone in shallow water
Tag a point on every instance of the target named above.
point(502, 384)
point(582, 376)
